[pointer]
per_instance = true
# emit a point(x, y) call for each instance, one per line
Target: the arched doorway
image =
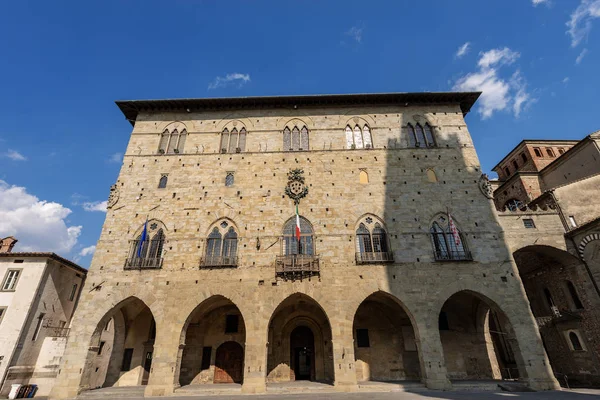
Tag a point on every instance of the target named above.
point(385, 346)
point(302, 351)
point(121, 348)
point(299, 339)
point(478, 340)
point(563, 300)
point(229, 363)
point(212, 344)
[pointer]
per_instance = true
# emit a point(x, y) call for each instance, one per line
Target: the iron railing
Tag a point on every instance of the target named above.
point(374, 257)
point(143, 263)
point(448, 255)
point(218, 262)
point(297, 266)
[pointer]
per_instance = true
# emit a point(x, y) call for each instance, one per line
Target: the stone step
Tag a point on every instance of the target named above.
point(112, 393)
point(479, 386)
point(395, 386)
point(208, 389)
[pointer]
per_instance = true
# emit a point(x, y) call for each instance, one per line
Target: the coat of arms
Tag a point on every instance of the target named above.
point(296, 189)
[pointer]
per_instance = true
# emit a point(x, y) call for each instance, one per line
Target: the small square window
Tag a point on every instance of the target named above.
point(362, 338)
point(572, 221)
point(528, 223)
point(231, 323)
point(2, 312)
point(550, 152)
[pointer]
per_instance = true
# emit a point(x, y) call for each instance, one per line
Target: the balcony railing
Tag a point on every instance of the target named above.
point(374, 257)
point(143, 263)
point(219, 262)
point(453, 256)
point(297, 266)
point(56, 331)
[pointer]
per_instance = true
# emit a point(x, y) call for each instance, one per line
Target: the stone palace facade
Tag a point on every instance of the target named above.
point(380, 285)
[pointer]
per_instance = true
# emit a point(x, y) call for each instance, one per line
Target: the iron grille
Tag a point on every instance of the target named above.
point(374, 257)
point(218, 262)
point(143, 263)
point(450, 255)
point(297, 266)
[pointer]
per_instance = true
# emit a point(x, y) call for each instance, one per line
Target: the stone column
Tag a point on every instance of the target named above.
point(344, 363)
point(166, 356)
point(431, 356)
point(255, 358)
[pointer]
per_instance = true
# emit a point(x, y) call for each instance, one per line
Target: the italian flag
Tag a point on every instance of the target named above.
point(297, 225)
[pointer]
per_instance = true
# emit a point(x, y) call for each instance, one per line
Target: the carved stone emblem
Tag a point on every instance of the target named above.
point(485, 186)
point(296, 189)
point(113, 196)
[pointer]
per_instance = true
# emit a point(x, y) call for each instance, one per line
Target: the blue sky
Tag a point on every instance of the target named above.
point(64, 63)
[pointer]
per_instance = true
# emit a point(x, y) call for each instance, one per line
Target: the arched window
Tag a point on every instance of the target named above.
point(372, 242)
point(515, 164)
point(172, 141)
point(430, 140)
point(514, 205)
point(234, 141)
point(431, 177)
point(358, 138)
point(576, 302)
point(221, 246)
point(448, 243)
point(412, 138)
point(420, 135)
point(524, 157)
point(295, 139)
point(507, 171)
point(290, 243)
point(575, 342)
point(146, 250)
point(363, 177)
point(229, 179)
point(162, 183)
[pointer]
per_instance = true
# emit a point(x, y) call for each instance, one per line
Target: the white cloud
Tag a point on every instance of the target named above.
point(116, 158)
point(95, 205)
point(580, 23)
point(537, 2)
point(580, 56)
point(566, 80)
point(39, 225)
point(355, 33)
point(462, 50)
point(229, 79)
point(498, 93)
point(15, 155)
point(87, 251)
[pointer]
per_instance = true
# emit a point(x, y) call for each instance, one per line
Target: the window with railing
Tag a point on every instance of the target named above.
point(298, 259)
point(372, 242)
point(449, 244)
point(221, 247)
point(146, 251)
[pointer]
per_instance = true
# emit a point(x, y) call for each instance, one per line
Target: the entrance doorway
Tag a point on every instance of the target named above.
point(302, 346)
point(229, 363)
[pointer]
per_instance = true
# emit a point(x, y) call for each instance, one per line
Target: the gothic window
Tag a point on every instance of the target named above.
point(363, 177)
point(575, 342)
point(295, 139)
point(513, 204)
point(172, 141)
point(290, 241)
point(146, 250)
point(234, 141)
point(448, 245)
point(358, 138)
point(371, 242)
point(162, 183)
point(229, 179)
point(431, 177)
point(574, 297)
point(412, 138)
point(429, 135)
point(221, 246)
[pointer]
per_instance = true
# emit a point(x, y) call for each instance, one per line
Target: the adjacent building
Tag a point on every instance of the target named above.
point(336, 238)
point(38, 296)
point(547, 201)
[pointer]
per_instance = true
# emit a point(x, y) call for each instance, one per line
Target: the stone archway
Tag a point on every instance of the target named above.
point(121, 348)
point(212, 344)
point(478, 340)
point(385, 346)
point(296, 321)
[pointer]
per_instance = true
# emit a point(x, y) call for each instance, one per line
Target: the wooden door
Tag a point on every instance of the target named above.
point(229, 363)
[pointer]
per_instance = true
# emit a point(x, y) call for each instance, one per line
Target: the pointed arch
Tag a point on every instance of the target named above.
point(172, 139)
point(146, 250)
point(431, 176)
point(221, 245)
point(367, 139)
point(349, 137)
point(412, 138)
point(363, 177)
point(429, 137)
point(372, 245)
point(448, 242)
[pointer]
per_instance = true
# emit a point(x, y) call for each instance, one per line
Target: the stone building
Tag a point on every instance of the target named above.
point(206, 274)
point(547, 195)
point(38, 295)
